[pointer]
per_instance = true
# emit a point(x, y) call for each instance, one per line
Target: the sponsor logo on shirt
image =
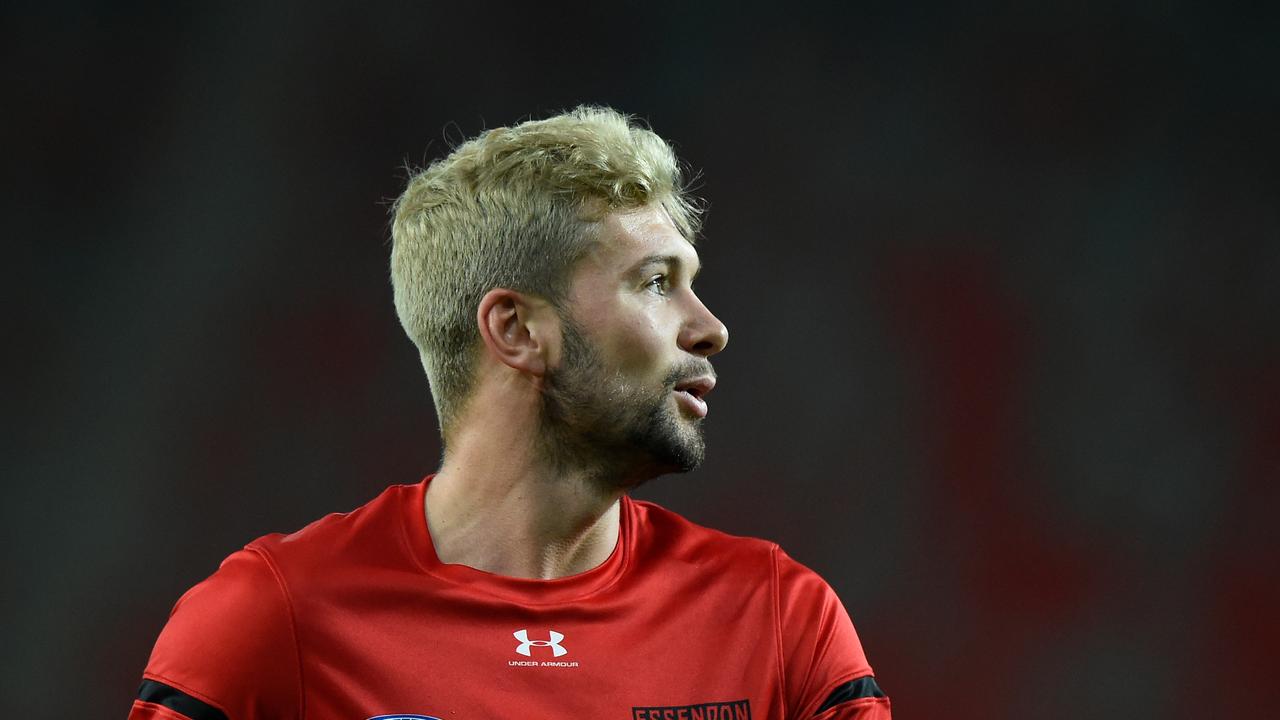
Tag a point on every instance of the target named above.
point(404, 717)
point(552, 645)
point(727, 710)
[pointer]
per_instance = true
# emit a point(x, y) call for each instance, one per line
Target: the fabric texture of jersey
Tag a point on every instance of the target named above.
point(354, 617)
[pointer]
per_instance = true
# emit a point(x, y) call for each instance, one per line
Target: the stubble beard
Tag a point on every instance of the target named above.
point(596, 421)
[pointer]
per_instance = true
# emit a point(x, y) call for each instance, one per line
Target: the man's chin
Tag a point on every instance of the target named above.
point(655, 466)
point(680, 450)
point(660, 442)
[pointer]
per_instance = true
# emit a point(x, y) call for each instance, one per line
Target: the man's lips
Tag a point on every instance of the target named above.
point(692, 393)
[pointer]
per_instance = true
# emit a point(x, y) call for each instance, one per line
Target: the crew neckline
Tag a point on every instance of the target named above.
point(525, 590)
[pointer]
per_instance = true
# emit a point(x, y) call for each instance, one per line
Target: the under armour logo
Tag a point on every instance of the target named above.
point(554, 643)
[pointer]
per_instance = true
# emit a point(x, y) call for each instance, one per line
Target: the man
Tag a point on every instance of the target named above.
point(545, 274)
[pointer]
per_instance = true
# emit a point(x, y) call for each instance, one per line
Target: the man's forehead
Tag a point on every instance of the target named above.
point(647, 234)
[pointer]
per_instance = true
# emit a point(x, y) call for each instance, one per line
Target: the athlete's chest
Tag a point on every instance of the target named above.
point(663, 653)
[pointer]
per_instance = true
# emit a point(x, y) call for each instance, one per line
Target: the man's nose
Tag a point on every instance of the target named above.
point(703, 334)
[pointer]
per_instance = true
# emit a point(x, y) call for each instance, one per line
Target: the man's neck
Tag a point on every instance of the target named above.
point(494, 507)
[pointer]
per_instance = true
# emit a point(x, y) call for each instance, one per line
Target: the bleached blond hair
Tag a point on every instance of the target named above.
point(516, 208)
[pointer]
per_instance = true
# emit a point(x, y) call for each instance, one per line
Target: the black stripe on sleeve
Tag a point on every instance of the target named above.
point(178, 701)
point(863, 687)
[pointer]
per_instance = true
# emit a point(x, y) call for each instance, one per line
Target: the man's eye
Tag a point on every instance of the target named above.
point(659, 284)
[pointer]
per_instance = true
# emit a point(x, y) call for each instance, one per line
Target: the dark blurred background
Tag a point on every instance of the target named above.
point(1001, 283)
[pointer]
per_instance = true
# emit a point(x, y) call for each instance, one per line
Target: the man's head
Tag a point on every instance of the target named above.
point(535, 210)
point(629, 388)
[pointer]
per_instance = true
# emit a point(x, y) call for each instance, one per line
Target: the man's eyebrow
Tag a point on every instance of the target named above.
point(674, 261)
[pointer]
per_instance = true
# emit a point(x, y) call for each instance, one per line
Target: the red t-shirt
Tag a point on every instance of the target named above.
point(354, 617)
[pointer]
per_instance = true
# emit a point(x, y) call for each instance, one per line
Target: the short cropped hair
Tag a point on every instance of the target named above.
point(516, 207)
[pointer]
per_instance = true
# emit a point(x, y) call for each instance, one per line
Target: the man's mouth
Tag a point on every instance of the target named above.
point(691, 393)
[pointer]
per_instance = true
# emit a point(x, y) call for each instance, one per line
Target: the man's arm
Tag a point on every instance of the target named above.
point(228, 651)
point(825, 670)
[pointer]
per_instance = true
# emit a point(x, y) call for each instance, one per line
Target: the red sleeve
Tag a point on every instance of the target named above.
point(824, 667)
point(229, 647)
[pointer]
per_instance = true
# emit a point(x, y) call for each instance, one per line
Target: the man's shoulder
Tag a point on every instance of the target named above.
point(665, 533)
point(371, 533)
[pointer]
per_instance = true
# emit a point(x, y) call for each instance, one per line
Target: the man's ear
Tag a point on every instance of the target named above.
point(518, 329)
